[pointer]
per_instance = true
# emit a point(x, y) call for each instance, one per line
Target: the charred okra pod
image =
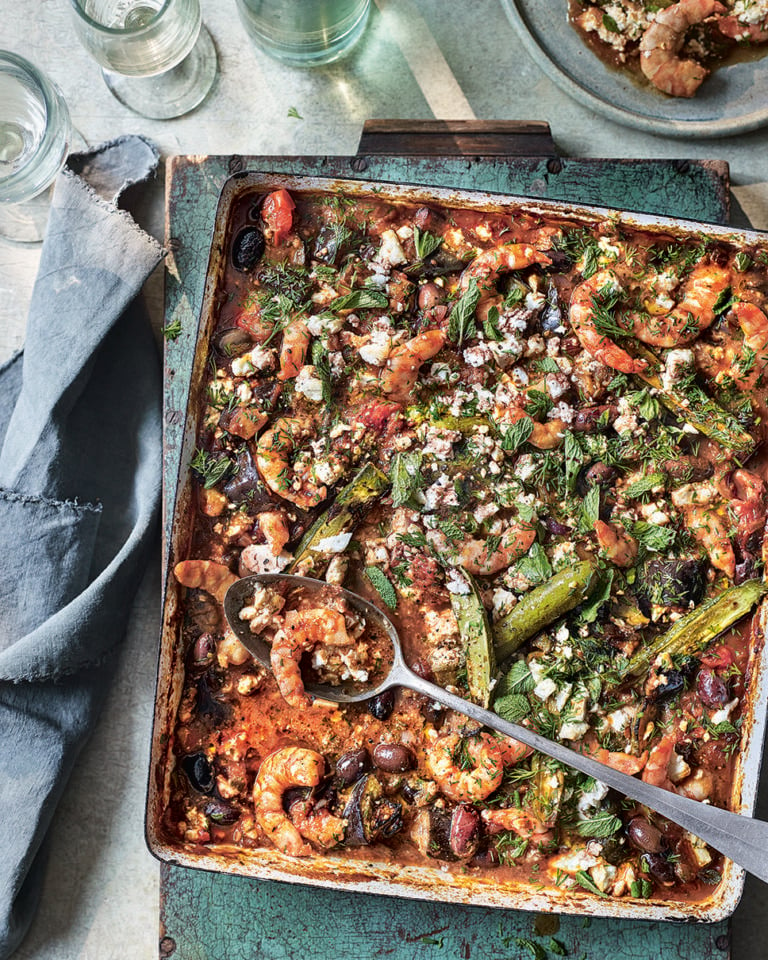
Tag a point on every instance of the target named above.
point(694, 406)
point(475, 630)
point(692, 633)
point(537, 609)
point(332, 531)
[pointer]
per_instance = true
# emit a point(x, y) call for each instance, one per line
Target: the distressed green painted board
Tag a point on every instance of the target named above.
point(207, 916)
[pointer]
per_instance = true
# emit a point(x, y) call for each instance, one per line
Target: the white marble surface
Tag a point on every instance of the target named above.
point(423, 60)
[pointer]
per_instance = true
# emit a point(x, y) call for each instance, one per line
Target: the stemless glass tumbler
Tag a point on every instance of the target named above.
point(157, 57)
point(35, 134)
point(304, 33)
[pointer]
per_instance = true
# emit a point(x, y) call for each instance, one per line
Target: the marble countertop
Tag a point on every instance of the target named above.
point(416, 60)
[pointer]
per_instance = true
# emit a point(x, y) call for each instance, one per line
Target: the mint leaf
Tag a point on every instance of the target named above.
point(535, 565)
point(405, 475)
point(512, 708)
point(584, 880)
point(643, 485)
point(517, 435)
point(491, 325)
point(518, 679)
point(425, 243)
point(590, 510)
point(360, 300)
point(602, 825)
point(573, 460)
point(461, 323)
point(382, 585)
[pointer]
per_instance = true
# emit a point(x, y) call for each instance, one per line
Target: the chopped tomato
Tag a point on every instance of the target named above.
point(376, 414)
point(719, 658)
point(277, 213)
point(249, 318)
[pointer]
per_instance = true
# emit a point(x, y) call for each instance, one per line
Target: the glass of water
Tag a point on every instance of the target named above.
point(304, 33)
point(35, 134)
point(156, 55)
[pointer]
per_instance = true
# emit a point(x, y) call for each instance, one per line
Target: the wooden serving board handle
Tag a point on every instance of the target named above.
point(457, 138)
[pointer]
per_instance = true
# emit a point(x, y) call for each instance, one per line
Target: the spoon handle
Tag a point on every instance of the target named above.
point(742, 839)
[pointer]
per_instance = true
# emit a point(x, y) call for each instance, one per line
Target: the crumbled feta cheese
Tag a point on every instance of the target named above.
point(503, 601)
point(545, 689)
point(478, 355)
point(241, 367)
point(626, 422)
point(440, 443)
point(335, 544)
point(562, 411)
point(390, 252)
point(244, 393)
point(590, 799)
point(455, 582)
point(308, 384)
point(724, 714)
point(441, 493)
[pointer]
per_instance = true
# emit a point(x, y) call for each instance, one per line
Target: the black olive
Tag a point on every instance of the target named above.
point(670, 583)
point(221, 812)
point(674, 683)
point(208, 705)
point(294, 795)
point(234, 341)
point(393, 757)
point(382, 706)
point(712, 689)
point(351, 766)
point(644, 836)
point(659, 867)
point(245, 482)
point(199, 772)
point(745, 570)
point(247, 249)
point(203, 652)
point(552, 315)
point(614, 850)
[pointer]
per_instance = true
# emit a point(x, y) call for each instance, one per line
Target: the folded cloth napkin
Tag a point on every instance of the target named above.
point(80, 479)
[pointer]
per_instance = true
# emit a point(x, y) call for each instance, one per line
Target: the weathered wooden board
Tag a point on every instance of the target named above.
point(208, 916)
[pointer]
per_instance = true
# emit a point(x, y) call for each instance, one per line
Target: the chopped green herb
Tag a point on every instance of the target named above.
point(360, 300)
point(293, 112)
point(172, 330)
point(425, 243)
point(383, 586)
point(539, 403)
point(643, 485)
point(534, 949)
point(491, 325)
point(516, 435)
point(557, 947)
point(512, 708)
point(742, 261)
point(461, 323)
point(602, 825)
point(584, 880)
point(405, 475)
point(211, 470)
point(322, 365)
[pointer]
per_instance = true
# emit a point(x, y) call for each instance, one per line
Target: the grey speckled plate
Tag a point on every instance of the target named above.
point(733, 99)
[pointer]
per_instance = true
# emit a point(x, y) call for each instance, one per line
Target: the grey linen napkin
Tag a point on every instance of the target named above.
point(80, 478)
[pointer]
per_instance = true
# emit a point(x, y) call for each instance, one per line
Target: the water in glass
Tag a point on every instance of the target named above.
point(304, 32)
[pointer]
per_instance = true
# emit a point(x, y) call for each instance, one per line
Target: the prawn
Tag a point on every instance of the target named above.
point(745, 490)
point(544, 436)
point(215, 578)
point(293, 351)
point(279, 771)
point(663, 41)
point(273, 525)
point(734, 29)
point(582, 317)
point(520, 821)
point(301, 631)
point(694, 313)
point(273, 450)
point(486, 557)
point(656, 771)
point(317, 824)
point(619, 547)
point(474, 778)
point(706, 519)
point(488, 265)
point(404, 362)
point(750, 367)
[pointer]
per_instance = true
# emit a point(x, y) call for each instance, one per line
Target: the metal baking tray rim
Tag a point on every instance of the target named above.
point(419, 882)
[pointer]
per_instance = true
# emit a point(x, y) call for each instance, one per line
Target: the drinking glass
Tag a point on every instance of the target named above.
point(35, 134)
point(304, 33)
point(156, 56)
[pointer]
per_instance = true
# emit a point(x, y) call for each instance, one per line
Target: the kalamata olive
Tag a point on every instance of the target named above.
point(221, 812)
point(234, 342)
point(592, 419)
point(670, 583)
point(245, 483)
point(330, 244)
point(712, 690)
point(688, 468)
point(369, 814)
point(644, 836)
point(465, 831)
point(351, 766)
point(432, 711)
point(382, 706)
point(659, 867)
point(423, 669)
point(294, 795)
point(600, 473)
point(674, 683)
point(430, 295)
point(199, 772)
point(247, 249)
point(208, 704)
point(570, 346)
point(745, 570)
point(555, 527)
point(203, 651)
point(393, 757)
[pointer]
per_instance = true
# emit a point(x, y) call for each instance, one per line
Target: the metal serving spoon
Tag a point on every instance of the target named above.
point(742, 839)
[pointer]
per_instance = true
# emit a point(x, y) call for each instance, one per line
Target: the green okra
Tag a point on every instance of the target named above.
point(693, 632)
point(475, 630)
point(546, 603)
point(340, 518)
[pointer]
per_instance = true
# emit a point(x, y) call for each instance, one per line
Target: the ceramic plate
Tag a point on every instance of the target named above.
point(732, 100)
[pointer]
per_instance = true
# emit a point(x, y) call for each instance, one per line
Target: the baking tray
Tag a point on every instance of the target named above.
point(424, 882)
